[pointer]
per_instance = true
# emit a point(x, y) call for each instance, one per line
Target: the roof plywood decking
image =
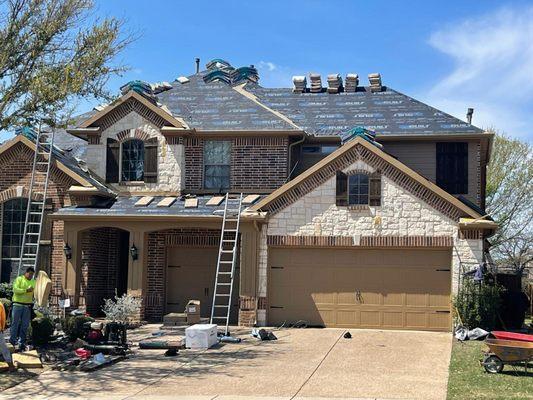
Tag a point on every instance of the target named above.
point(144, 201)
point(250, 199)
point(215, 201)
point(166, 202)
point(191, 203)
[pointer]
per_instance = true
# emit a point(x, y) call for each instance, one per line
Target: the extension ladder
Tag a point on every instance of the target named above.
point(227, 257)
point(40, 174)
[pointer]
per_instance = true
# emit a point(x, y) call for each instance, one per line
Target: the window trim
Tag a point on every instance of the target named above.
point(121, 154)
point(342, 190)
point(205, 165)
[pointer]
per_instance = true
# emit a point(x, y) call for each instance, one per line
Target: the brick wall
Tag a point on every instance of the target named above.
point(258, 163)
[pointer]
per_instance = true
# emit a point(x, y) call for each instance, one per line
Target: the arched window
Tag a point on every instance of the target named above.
point(133, 160)
point(13, 217)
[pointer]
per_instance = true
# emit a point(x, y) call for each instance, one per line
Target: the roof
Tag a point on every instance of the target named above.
point(126, 207)
point(388, 112)
point(264, 203)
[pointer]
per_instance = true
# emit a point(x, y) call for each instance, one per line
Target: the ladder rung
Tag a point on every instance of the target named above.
point(34, 223)
point(224, 273)
point(223, 284)
point(226, 262)
point(229, 240)
point(32, 234)
point(226, 251)
point(220, 306)
point(215, 317)
point(222, 294)
point(230, 230)
point(31, 244)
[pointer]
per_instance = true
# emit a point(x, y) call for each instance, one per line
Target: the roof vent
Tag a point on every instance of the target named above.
point(316, 83)
point(375, 82)
point(300, 84)
point(352, 80)
point(334, 83)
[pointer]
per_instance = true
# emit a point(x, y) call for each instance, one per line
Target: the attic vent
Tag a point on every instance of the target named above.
point(316, 83)
point(352, 80)
point(300, 84)
point(375, 82)
point(334, 83)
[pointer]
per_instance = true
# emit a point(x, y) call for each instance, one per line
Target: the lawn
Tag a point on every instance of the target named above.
point(468, 379)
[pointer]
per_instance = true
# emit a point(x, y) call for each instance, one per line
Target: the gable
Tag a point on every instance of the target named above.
point(350, 153)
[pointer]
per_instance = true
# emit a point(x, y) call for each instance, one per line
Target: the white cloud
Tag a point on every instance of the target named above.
point(493, 71)
point(274, 75)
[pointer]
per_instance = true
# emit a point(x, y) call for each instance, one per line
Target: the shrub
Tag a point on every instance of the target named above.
point(123, 309)
point(478, 304)
point(74, 326)
point(41, 330)
point(6, 290)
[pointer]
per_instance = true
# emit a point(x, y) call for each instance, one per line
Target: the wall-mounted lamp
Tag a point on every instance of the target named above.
point(68, 251)
point(134, 252)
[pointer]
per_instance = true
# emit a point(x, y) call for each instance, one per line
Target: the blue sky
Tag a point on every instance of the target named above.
point(452, 54)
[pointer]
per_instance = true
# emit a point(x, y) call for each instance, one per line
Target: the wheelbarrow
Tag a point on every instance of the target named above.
point(503, 352)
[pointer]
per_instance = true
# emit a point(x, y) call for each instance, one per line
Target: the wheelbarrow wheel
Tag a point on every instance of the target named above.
point(493, 364)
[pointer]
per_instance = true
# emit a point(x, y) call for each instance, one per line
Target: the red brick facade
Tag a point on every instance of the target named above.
point(257, 163)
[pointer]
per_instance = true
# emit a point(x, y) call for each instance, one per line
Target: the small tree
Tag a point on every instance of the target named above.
point(123, 308)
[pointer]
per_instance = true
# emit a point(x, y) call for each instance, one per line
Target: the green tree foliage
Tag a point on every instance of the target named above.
point(478, 304)
point(53, 52)
point(510, 201)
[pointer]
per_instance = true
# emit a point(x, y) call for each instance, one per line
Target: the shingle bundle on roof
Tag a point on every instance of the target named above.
point(300, 84)
point(334, 83)
point(316, 83)
point(375, 82)
point(220, 70)
point(351, 82)
point(359, 131)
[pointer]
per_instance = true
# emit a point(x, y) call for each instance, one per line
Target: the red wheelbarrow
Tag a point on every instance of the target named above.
point(503, 352)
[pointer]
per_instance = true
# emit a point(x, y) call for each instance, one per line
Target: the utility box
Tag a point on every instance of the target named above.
point(201, 336)
point(193, 312)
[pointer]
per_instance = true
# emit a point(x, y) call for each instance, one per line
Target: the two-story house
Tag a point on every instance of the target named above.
point(360, 234)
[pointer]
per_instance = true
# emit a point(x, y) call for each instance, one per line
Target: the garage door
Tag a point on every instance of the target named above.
point(390, 289)
point(191, 275)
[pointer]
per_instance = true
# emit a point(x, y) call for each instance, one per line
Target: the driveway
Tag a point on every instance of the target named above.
point(303, 363)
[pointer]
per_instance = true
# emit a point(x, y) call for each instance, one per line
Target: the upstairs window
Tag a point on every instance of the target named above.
point(217, 164)
point(452, 167)
point(358, 189)
point(132, 161)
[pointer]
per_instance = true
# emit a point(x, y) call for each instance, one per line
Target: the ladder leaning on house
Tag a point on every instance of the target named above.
point(227, 257)
point(42, 160)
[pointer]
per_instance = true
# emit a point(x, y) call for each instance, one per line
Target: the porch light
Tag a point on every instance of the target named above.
point(134, 252)
point(68, 251)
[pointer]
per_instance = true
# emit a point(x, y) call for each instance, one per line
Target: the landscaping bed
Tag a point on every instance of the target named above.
point(468, 379)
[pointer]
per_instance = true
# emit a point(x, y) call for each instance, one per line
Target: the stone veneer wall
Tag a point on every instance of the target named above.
point(170, 155)
point(400, 214)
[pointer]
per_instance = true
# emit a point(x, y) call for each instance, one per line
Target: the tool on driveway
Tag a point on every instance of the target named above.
point(227, 256)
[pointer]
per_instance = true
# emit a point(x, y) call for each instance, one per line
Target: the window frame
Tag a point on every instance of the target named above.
point(121, 164)
point(373, 191)
point(226, 164)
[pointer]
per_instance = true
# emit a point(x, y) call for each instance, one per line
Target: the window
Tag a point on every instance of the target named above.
point(452, 167)
point(358, 189)
point(13, 217)
point(132, 160)
point(319, 149)
point(217, 164)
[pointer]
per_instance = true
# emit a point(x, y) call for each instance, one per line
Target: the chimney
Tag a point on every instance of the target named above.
point(334, 83)
point(197, 61)
point(469, 114)
point(316, 83)
point(375, 82)
point(352, 80)
point(299, 83)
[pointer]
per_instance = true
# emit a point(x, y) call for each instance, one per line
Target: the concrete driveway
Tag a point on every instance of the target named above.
point(303, 363)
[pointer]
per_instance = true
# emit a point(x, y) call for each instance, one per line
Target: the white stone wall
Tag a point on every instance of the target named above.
point(400, 214)
point(170, 157)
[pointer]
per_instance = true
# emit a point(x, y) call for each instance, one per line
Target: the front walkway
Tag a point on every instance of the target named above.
point(304, 363)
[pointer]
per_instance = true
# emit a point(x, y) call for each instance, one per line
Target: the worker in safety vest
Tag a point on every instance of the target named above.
point(23, 288)
point(3, 347)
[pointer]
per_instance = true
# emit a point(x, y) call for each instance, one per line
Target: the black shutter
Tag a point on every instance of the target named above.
point(452, 167)
point(375, 189)
point(342, 189)
point(150, 160)
point(112, 159)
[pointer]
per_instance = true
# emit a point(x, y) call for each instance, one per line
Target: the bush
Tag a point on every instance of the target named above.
point(478, 304)
point(122, 309)
point(41, 330)
point(74, 326)
point(6, 290)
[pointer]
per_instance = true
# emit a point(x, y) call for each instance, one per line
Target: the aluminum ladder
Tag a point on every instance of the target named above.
point(40, 174)
point(227, 257)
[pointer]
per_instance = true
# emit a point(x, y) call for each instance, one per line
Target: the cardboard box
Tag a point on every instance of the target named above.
point(193, 312)
point(201, 336)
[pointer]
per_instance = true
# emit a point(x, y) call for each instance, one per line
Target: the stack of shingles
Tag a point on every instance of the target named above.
point(375, 82)
point(334, 83)
point(300, 84)
point(316, 83)
point(352, 80)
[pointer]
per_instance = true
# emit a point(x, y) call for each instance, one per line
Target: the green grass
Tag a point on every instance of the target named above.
point(468, 379)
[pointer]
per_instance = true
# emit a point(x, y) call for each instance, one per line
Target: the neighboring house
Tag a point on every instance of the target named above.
point(338, 235)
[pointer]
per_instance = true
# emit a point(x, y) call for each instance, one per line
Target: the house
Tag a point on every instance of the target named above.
point(370, 234)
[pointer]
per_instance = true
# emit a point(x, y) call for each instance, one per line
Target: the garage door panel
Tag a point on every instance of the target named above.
point(396, 289)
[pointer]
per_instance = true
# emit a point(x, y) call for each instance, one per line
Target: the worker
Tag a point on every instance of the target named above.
point(23, 288)
point(3, 347)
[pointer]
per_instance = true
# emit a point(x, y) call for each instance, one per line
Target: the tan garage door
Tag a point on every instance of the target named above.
point(191, 275)
point(391, 289)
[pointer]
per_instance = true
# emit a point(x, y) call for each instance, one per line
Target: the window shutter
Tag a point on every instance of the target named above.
point(375, 189)
point(150, 160)
point(342, 189)
point(112, 159)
